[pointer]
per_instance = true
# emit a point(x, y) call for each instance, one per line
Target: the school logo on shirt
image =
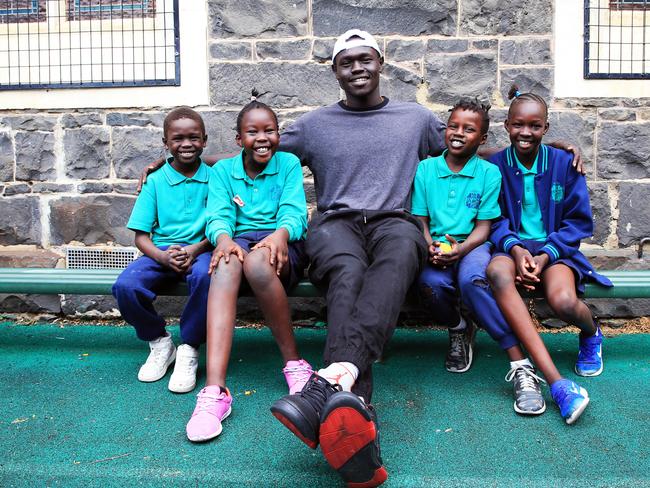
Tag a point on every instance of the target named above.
point(275, 192)
point(557, 192)
point(237, 199)
point(473, 200)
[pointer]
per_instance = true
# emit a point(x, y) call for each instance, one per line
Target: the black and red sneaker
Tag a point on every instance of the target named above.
point(349, 439)
point(300, 412)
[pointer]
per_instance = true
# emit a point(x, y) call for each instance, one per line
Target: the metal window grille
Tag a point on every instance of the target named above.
point(99, 258)
point(88, 43)
point(617, 39)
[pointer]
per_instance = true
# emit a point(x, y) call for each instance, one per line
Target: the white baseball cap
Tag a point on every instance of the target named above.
point(354, 38)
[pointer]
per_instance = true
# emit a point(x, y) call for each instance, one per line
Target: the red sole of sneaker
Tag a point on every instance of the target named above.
point(296, 432)
point(380, 476)
point(344, 433)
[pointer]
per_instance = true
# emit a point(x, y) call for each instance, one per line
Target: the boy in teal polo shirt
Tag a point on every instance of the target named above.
point(169, 218)
point(455, 195)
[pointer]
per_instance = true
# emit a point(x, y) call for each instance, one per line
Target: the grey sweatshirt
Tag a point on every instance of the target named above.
point(364, 159)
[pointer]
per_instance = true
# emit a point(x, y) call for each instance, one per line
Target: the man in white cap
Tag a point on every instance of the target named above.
point(365, 247)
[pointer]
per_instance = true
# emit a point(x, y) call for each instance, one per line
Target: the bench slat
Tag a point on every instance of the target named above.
point(54, 281)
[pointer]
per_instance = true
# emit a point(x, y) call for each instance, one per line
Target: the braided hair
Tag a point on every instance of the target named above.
point(517, 97)
point(252, 105)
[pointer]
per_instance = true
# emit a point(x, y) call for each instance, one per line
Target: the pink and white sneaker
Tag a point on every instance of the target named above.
point(297, 373)
point(212, 406)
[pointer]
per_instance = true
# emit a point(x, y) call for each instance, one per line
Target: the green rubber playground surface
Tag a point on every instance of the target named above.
point(74, 414)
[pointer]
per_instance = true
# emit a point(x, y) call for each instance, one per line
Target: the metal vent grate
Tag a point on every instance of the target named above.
point(99, 258)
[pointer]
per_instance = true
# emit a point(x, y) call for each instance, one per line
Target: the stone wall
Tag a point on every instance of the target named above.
point(69, 177)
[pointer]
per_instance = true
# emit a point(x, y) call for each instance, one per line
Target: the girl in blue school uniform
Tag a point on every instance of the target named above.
point(546, 213)
point(257, 218)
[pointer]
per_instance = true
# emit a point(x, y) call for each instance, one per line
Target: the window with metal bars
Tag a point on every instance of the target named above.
point(617, 39)
point(88, 43)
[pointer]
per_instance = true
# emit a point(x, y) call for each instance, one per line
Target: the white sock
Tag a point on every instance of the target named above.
point(344, 374)
point(461, 325)
point(521, 362)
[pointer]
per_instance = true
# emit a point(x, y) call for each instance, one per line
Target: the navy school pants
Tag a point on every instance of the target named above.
point(366, 261)
point(466, 281)
point(137, 286)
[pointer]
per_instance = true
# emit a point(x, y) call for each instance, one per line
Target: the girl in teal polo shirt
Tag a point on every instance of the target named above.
point(257, 217)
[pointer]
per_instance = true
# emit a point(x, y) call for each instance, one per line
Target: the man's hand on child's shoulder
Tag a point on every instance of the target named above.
point(573, 149)
point(156, 165)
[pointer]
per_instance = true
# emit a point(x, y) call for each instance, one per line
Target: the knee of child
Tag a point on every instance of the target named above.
point(564, 304)
point(257, 267)
point(498, 277)
point(227, 271)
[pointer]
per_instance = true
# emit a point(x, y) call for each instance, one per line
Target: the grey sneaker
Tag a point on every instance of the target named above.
point(461, 349)
point(527, 390)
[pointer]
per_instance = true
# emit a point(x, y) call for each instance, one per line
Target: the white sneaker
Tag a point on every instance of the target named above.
point(163, 353)
point(183, 379)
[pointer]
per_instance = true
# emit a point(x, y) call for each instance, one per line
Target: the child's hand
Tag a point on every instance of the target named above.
point(190, 252)
point(446, 258)
point(279, 247)
point(225, 247)
point(173, 258)
point(526, 267)
point(541, 260)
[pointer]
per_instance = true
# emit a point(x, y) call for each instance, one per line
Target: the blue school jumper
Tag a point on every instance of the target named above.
point(564, 202)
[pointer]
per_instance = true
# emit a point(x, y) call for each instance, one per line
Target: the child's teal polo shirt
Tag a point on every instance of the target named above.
point(172, 207)
point(274, 199)
point(454, 201)
point(532, 226)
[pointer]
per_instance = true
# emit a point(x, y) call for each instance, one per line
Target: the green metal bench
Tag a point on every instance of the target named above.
point(54, 281)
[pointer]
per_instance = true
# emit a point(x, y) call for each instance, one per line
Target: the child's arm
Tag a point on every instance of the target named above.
point(431, 245)
point(420, 209)
point(173, 258)
point(221, 214)
point(291, 219)
point(478, 236)
point(292, 205)
point(577, 222)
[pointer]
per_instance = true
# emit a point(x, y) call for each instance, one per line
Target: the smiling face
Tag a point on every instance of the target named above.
point(526, 124)
point(357, 71)
point(185, 140)
point(258, 136)
point(464, 134)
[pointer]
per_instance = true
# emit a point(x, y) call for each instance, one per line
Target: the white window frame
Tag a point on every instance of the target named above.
point(569, 60)
point(193, 90)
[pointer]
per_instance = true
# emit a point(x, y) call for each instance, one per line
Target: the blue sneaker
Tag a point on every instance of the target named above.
point(571, 398)
point(590, 355)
